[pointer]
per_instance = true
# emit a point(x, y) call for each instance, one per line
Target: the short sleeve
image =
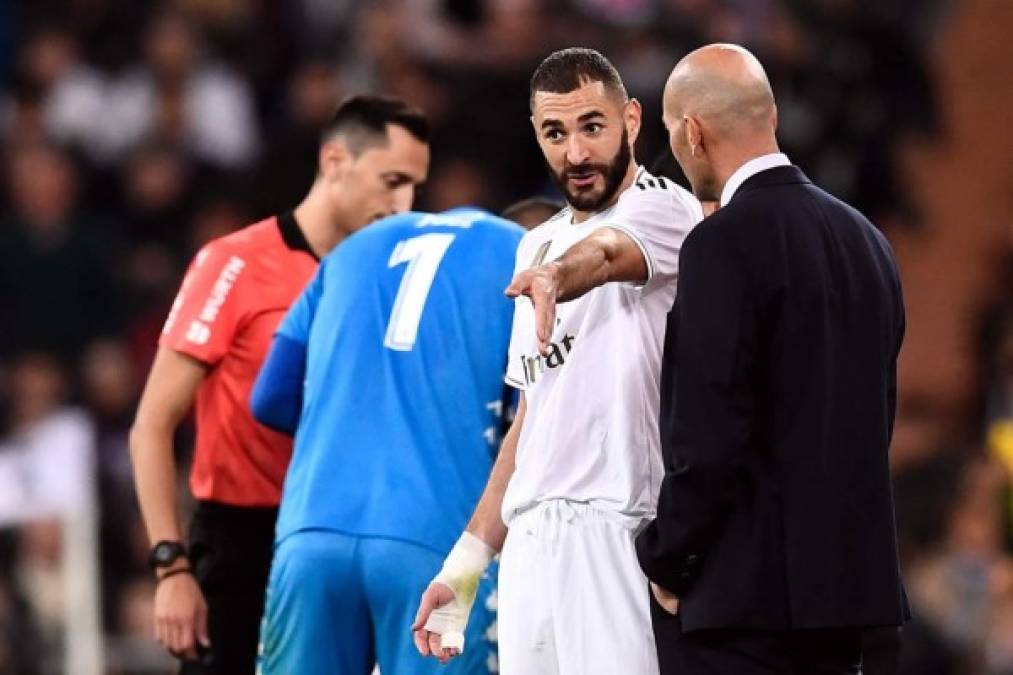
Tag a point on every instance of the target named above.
point(299, 320)
point(522, 329)
point(515, 358)
point(658, 219)
point(208, 308)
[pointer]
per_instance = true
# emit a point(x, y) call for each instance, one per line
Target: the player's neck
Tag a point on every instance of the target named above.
point(631, 175)
point(314, 217)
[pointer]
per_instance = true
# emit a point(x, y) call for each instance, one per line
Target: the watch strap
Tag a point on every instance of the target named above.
point(174, 550)
point(170, 573)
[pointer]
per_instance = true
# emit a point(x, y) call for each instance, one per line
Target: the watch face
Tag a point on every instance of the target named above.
point(165, 553)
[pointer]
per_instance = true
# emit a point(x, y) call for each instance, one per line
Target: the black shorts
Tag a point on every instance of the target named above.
point(230, 550)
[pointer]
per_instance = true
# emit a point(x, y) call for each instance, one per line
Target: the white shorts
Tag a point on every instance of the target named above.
point(572, 597)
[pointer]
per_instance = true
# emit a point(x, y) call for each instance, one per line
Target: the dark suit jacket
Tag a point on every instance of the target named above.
point(778, 393)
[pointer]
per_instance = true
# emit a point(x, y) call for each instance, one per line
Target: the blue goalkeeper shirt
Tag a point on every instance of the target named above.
point(392, 363)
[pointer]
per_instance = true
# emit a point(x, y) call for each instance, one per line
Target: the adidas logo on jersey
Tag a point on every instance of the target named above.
point(535, 366)
point(646, 181)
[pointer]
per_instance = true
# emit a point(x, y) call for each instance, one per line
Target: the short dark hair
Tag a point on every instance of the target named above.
point(361, 120)
point(565, 70)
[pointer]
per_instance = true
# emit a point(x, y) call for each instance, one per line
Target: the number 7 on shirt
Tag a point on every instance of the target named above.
point(423, 255)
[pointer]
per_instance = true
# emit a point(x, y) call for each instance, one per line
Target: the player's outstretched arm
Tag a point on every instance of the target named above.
point(445, 605)
point(180, 609)
point(607, 254)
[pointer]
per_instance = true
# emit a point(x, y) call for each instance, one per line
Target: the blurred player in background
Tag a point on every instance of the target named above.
point(580, 467)
point(400, 340)
point(532, 212)
point(209, 596)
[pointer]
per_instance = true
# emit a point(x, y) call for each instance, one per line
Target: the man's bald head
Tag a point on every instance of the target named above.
point(725, 86)
point(719, 111)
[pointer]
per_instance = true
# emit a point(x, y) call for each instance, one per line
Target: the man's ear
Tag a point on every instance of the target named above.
point(632, 115)
point(694, 136)
point(333, 159)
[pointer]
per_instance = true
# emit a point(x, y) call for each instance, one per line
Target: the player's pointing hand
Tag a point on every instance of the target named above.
point(541, 285)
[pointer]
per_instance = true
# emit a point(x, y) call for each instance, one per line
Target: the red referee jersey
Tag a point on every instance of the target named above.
point(233, 297)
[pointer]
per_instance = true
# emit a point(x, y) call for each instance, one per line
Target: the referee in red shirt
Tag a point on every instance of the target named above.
point(210, 592)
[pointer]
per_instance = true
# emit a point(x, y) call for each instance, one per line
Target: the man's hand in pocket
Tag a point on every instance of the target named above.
point(665, 598)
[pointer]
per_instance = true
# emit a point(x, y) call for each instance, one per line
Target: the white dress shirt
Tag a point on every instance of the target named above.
point(750, 169)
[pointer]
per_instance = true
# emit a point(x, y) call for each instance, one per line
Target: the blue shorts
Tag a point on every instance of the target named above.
point(339, 604)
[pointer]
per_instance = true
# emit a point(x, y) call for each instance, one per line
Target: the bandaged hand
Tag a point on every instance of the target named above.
point(442, 617)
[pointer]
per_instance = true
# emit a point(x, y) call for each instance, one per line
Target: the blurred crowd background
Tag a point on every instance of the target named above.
point(133, 132)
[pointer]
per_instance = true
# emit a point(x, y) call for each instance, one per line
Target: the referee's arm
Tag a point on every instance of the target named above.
point(607, 254)
point(180, 609)
point(168, 397)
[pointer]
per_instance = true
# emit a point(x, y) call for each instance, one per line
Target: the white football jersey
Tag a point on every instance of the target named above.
point(590, 433)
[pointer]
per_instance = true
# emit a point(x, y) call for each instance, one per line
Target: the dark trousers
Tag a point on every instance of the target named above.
point(754, 652)
point(230, 550)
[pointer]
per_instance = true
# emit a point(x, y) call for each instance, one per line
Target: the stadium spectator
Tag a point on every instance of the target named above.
point(109, 389)
point(287, 164)
point(47, 458)
point(23, 116)
point(46, 474)
point(962, 585)
point(72, 90)
point(158, 185)
point(57, 284)
point(182, 96)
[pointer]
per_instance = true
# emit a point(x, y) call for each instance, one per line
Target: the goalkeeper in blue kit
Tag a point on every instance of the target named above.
point(389, 371)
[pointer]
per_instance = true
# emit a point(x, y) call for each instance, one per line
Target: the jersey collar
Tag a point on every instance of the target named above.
point(292, 234)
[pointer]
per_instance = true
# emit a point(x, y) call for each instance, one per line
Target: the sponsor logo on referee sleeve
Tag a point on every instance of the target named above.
point(199, 331)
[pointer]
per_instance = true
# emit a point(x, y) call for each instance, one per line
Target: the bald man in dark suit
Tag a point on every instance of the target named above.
point(774, 544)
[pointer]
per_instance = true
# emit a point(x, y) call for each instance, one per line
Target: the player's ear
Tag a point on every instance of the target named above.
point(632, 115)
point(333, 159)
point(534, 127)
point(540, 137)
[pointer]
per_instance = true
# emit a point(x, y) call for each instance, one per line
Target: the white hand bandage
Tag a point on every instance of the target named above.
point(461, 572)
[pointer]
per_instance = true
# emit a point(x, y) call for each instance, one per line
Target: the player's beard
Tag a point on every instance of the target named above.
point(613, 173)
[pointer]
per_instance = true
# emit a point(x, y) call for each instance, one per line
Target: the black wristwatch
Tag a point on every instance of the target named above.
point(165, 553)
